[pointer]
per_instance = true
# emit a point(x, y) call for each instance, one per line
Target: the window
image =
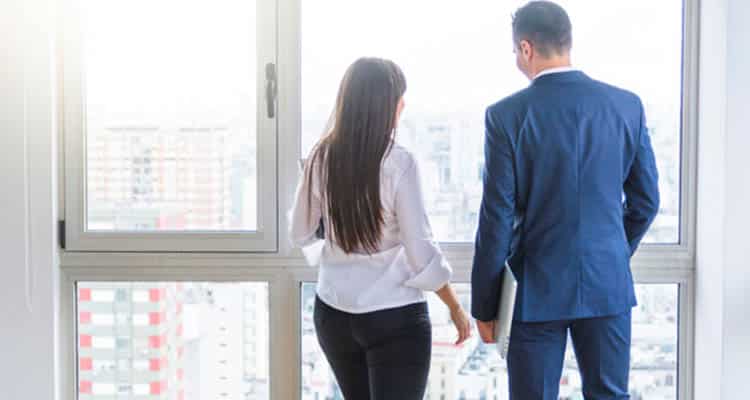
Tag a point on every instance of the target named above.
point(476, 366)
point(167, 135)
point(183, 124)
point(460, 60)
point(121, 295)
point(122, 344)
point(181, 353)
point(123, 390)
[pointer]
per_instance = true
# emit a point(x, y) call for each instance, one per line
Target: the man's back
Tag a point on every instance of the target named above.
point(560, 155)
point(570, 188)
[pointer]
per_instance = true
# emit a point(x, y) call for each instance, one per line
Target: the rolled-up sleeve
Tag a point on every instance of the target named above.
point(430, 269)
point(305, 215)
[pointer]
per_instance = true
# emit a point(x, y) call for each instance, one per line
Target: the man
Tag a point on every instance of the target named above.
point(570, 189)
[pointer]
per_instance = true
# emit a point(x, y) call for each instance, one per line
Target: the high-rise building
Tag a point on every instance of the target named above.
point(147, 177)
point(173, 341)
point(255, 352)
point(468, 371)
point(130, 341)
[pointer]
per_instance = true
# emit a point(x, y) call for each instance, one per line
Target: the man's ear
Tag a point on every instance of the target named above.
point(526, 49)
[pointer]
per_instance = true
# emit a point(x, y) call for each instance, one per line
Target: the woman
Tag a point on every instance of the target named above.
point(360, 192)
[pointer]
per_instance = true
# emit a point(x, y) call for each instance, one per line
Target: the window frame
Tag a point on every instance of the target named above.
point(73, 115)
point(284, 284)
point(92, 257)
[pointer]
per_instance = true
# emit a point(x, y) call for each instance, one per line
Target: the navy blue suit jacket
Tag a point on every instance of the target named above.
point(570, 189)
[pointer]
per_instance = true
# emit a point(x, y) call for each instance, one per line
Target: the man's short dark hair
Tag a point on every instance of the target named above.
point(546, 25)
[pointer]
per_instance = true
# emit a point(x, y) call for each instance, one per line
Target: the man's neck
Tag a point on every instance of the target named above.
point(557, 62)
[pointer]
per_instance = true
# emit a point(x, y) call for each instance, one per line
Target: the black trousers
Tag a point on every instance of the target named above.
point(381, 355)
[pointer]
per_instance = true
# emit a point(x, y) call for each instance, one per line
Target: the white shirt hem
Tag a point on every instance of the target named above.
point(369, 309)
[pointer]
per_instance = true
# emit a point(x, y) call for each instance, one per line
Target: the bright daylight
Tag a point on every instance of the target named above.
point(375, 200)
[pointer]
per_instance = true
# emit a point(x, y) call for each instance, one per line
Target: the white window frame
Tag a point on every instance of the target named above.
point(285, 269)
point(78, 238)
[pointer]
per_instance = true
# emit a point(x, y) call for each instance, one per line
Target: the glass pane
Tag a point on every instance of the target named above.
point(170, 99)
point(459, 59)
point(173, 341)
point(474, 371)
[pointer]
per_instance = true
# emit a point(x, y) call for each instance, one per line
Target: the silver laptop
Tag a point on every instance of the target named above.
point(506, 305)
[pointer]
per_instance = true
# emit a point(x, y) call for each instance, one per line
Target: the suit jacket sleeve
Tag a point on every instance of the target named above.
point(641, 189)
point(496, 216)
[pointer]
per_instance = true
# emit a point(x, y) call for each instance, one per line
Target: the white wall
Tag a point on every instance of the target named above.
point(736, 302)
point(723, 252)
point(28, 266)
point(710, 200)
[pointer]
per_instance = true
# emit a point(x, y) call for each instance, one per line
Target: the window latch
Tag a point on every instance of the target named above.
point(271, 88)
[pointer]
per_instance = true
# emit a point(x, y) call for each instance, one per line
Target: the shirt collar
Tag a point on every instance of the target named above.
point(555, 70)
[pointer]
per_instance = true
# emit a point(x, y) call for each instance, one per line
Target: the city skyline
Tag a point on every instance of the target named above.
point(474, 370)
point(192, 340)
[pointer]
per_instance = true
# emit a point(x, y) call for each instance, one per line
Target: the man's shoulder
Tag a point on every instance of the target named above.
point(589, 88)
point(510, 103)
point(616, 93)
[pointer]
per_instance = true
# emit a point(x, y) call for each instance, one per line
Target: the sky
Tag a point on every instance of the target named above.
point(198, 57)
point(458, 56)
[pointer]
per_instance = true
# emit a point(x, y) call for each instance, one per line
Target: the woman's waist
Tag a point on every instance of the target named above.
point(360, 288)
point(348, 299)
point(411, 307)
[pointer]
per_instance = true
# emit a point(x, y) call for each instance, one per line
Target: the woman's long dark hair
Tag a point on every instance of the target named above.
point(350, 155)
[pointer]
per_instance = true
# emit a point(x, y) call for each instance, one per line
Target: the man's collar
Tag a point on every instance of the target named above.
point(555, 70)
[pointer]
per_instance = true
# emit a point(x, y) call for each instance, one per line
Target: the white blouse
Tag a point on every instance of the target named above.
point(408, 260)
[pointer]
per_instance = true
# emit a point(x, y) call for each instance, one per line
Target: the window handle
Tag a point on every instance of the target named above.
point(271, 86)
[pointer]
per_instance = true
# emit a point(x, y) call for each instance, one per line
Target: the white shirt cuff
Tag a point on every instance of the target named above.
point(433, 277)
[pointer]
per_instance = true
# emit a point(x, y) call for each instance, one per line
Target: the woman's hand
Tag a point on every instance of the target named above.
point(458, 315)
point(462, 323)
